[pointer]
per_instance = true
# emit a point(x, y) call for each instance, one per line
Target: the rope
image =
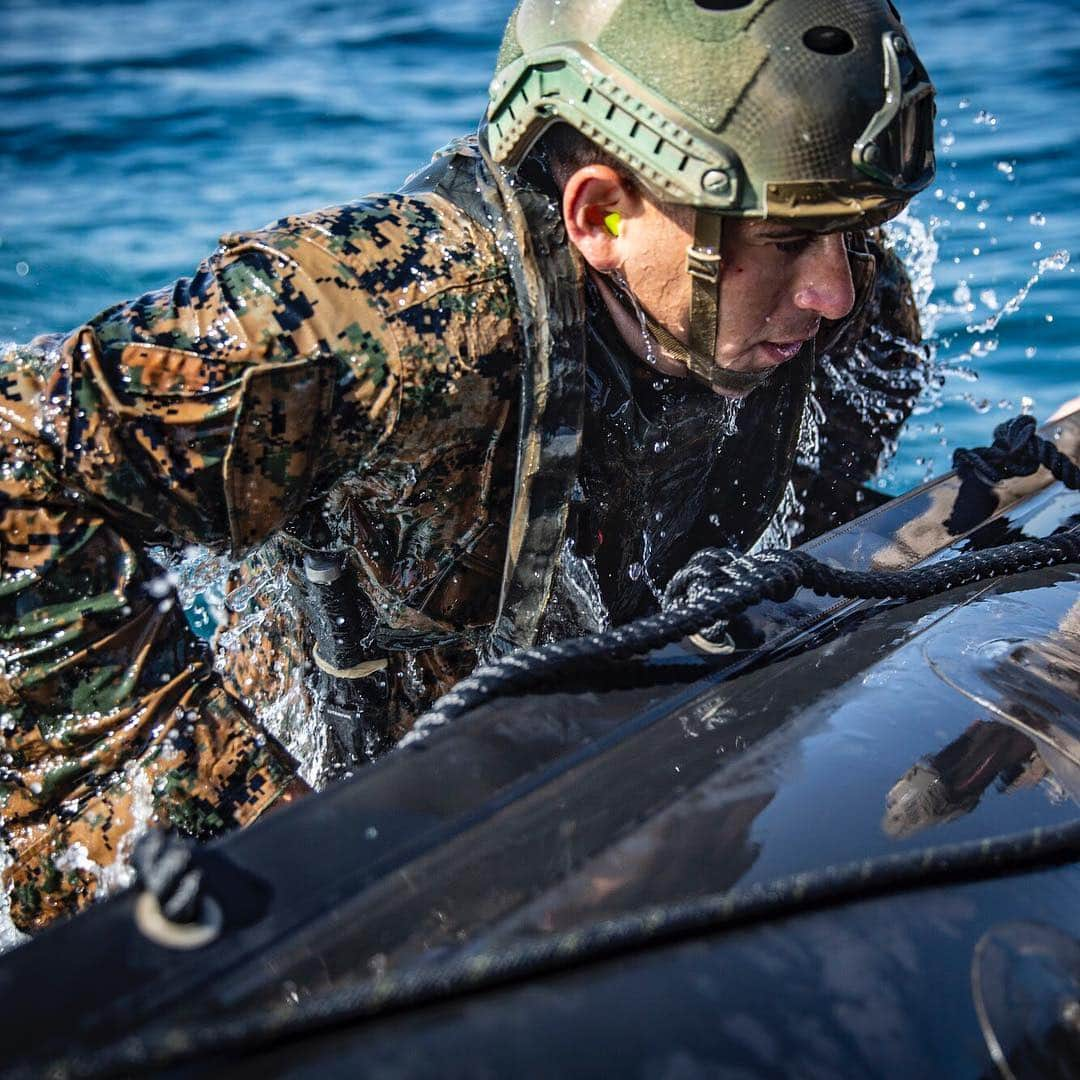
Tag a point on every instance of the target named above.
point(798, 894)
point(718, 584)
point(1017, 450)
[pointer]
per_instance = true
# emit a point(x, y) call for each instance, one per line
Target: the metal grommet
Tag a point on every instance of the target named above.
point(154, 926)
point(323, 567)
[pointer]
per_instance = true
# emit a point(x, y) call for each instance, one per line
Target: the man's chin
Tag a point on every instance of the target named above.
point(731, 395)
point(735, 383)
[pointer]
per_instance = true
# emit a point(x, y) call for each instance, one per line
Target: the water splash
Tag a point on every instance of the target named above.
point(917, 245)
point(244, 601)
point(651, 358)
point(1056, 262)
point(293, 718)
point(582, 587)
point(111, 878)
point(785, 525)
point(962, 325)
point(10, 934)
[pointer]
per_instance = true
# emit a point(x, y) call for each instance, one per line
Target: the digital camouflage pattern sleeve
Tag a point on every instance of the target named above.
point(209, 413)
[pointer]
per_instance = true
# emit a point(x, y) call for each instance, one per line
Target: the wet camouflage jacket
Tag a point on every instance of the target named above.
point(365, 361)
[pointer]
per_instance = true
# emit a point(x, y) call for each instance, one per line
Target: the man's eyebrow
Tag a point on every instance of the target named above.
point(780, 228)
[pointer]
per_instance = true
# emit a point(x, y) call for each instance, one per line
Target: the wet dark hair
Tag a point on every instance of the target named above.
point(564, 150)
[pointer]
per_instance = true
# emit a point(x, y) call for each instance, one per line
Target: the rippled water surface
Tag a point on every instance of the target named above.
point(132, 134)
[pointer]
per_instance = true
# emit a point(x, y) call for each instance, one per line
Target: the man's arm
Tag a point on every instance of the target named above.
point(201, 409)
point(208, 411)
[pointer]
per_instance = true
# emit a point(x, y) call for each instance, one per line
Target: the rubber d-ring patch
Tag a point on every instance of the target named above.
point(713, 648)
point(154, 926)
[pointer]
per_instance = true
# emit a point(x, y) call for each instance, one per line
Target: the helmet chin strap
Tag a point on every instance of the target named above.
point(704, 264)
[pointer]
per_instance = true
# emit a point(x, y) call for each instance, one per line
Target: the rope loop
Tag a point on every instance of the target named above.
point(698, 577)
point(1015, 452)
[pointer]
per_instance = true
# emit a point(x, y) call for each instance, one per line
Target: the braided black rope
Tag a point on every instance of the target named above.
point(945, 865)
point(716, 585)
point(1017, 450)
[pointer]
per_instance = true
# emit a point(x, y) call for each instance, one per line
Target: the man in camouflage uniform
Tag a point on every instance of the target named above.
point(428, 404)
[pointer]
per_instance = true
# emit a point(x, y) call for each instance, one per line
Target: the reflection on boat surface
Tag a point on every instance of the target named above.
point(836, 733)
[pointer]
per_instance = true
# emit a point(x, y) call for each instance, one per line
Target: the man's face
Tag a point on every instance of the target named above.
point(776, 287)
point(777, 283)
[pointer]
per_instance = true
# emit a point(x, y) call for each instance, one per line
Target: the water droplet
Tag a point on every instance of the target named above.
point(1037, 219)
point(1058, 261)
point(1030, 352)
point(22, 269)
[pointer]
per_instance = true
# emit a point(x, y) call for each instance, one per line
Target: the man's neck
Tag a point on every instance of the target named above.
point(637, 338)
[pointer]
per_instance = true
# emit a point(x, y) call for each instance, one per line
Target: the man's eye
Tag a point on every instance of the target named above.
point(795, 246)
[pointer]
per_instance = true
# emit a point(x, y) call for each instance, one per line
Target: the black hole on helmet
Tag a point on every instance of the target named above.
point(722, 5)
point(830, 40)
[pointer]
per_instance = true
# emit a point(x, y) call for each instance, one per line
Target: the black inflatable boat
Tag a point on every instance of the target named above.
point(846, 847)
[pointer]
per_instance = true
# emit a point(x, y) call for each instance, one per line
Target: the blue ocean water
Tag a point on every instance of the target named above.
point(133, 133)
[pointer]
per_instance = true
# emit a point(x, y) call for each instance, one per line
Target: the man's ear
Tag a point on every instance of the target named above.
point(591, 196)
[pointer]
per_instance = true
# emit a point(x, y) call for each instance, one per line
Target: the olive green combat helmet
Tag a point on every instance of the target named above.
point(817, 112)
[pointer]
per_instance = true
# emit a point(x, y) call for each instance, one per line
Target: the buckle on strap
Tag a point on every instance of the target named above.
point(703, 264)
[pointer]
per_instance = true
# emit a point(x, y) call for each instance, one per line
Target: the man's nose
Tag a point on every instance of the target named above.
point(825, 286)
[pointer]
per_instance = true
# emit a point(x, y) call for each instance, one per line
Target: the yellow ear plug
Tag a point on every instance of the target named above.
point(613, 221)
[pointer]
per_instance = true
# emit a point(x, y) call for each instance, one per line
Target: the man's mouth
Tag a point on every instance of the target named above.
point(781, 351)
